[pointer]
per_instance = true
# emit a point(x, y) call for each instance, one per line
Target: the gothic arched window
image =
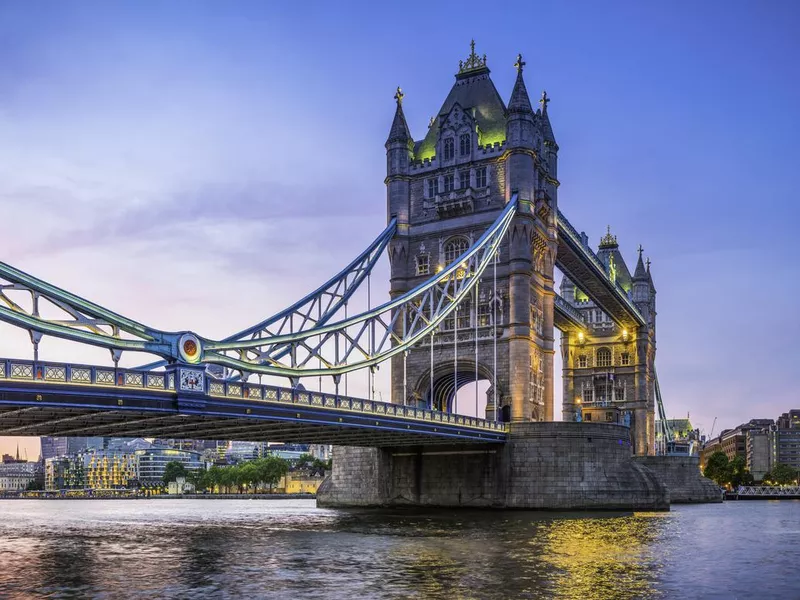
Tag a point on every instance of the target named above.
point(449, 148)
point(582, 364)
point(604, 357)
point(454, 248)
point(465, 144)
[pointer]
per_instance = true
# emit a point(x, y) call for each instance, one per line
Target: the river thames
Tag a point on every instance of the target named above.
point(290, 549)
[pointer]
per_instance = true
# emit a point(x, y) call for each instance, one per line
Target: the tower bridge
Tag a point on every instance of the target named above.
point(474, 236)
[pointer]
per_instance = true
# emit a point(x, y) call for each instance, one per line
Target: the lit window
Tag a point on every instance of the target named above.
point(423, 264)
point(604, 357)
point(433, 186)
point(625, 359)
point(449, 183)
point(582, 362)
point(480, 177)
point(449, 148)
point(454, 248)
point(463, 179)
point(484, 314)
point(465, 144)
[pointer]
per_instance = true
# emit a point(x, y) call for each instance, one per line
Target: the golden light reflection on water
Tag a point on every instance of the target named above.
point(600, 557)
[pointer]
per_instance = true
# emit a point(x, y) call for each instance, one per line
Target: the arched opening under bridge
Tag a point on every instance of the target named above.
point(457, 388)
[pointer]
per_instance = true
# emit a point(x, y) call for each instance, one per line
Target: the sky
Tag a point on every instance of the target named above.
point(199, 165)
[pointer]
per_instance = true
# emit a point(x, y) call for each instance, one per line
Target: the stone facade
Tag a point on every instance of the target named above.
point(610, 366)
point(446, 190)
point(681, 475)
point(553, 466)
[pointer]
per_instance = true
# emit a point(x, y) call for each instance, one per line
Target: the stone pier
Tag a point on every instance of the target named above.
point(681, 475)
point(544, 465)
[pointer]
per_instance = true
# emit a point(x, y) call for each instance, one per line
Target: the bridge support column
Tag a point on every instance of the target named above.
point(553, 466)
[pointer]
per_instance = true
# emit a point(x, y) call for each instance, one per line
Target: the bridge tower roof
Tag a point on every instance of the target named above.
point(474, 91)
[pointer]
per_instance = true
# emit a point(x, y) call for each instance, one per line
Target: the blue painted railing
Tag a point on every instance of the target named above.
point(156, 381)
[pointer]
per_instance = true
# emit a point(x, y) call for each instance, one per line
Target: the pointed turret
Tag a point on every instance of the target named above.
point(399, 131)
point(650, 278)
point(521, 119)
point(520, 102)
point(547, 128)
point(640, 273)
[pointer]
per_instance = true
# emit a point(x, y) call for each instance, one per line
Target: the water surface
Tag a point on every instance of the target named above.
point(290, 549)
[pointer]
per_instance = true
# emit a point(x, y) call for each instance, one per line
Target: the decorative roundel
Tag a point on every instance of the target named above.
point(190, 348)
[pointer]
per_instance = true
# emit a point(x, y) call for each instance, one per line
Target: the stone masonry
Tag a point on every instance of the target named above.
point(445, 190)
point(553, 466)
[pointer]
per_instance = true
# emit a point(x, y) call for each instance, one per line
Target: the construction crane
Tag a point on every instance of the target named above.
point(711, 435)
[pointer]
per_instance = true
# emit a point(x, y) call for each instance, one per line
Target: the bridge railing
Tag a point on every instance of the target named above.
point(568, 309)
point(768, 491)
point(57, 374)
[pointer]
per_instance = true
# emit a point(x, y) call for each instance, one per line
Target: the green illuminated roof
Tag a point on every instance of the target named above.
point(473, 89)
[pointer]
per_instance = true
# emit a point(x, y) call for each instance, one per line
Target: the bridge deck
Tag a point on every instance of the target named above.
point(73, 400)
point(581, 265)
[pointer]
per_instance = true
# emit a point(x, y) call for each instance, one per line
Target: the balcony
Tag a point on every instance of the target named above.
point(459, 202)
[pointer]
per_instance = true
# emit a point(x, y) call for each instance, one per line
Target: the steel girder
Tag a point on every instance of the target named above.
point(374, 336)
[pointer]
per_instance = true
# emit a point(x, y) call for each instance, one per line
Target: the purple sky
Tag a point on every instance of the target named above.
point(199, 165)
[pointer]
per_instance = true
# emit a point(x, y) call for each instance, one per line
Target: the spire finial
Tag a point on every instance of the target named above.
point(520, 63)
point(398, 95)
point(473, 61)
point(648, 264)
point(640, 250)
point(608, 240)
point(544, 101)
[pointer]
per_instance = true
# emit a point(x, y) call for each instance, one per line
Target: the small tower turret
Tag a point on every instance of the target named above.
point(641, 286)
point(550, 150)
point(520, 125)
point(399, 154)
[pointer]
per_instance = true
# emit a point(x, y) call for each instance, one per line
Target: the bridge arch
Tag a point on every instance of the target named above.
point(448, 379)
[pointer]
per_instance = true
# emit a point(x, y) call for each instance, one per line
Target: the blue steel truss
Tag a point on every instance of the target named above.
point(358, 342)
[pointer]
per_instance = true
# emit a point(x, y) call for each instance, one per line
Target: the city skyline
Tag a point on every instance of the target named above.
point(161, 154)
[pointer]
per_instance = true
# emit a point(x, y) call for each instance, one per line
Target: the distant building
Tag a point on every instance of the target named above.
point(16, 476)
point(786, 446)
point(758, 449)
point(53, 447)
point(239, 451)
point(287, 451)
point(152, 462)
point(763, 443)
point(685, 438)
point(66, 446)
point(64, 473)
point(109, 470)
point(320, 451)
point(733, 442)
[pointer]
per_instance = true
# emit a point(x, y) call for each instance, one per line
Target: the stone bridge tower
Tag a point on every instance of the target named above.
point(446, 189)
point(609, 372)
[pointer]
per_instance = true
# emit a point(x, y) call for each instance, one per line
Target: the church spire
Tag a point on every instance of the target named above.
point(640, 272)
point(520, 102)
point(399, 131)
